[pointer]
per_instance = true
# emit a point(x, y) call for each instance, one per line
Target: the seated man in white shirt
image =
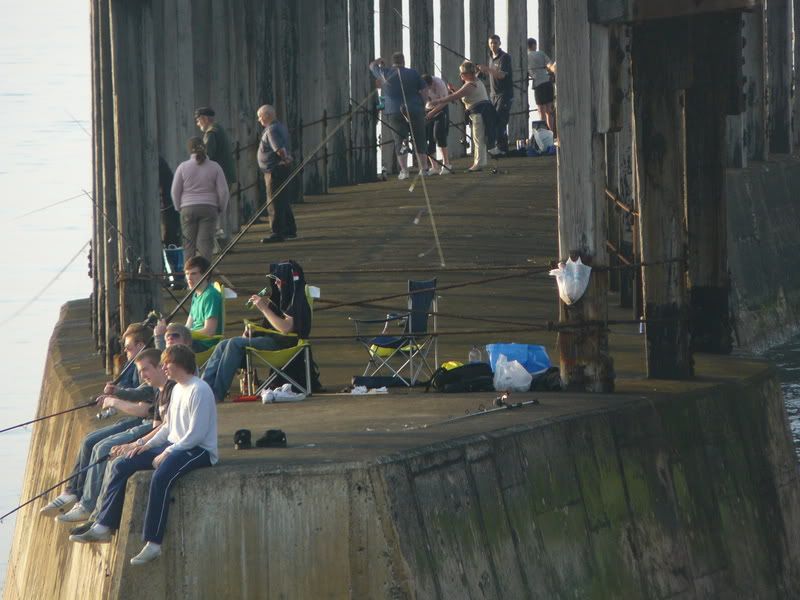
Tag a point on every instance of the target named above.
point(187, 440)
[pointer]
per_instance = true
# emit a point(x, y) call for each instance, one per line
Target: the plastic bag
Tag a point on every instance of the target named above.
point(573, 279)
point(532, 356)
point(543, 138)
point(511, 376)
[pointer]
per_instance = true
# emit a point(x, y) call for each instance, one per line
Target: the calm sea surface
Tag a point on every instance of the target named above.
point(45, 156)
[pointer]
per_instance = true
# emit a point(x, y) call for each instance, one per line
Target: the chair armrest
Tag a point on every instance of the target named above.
point(201, 337)
point(253, 327)
point(383, 320)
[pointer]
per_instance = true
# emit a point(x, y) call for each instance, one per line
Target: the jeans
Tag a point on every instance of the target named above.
point(228, 357)
point(502, 109)
point(176, 464)
point(75, 485)
point(94, 475)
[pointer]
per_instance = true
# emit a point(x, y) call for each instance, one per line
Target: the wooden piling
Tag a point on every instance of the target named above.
point(712, 44)
point(584, 357)
point(517, 46)
point(135, 129)
point(796, 77)
point(753, 60)
point(451, 34)
point(481, 26)
point(336, 66)
point(362, 44)
point(420, 22)
point(547, 31)
point(391, 30)
point(779, 75)
point(659, 57)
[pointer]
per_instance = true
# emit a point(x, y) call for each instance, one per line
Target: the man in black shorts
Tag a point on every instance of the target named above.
point(540, 68)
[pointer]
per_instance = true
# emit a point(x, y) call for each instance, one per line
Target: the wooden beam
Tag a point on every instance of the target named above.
point(337, 76)
point(637, 11)
point(754, 75)
point(779, 76)
point(451, 34)
point(547, 31)
point(584, 358)
point(659, 58)
point(420, 22)
point(516, 45)
point(135, 132)
point(706, 158)
point(362, 50)
point(796, 77)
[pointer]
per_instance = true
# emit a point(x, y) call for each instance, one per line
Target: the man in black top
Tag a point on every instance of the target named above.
point(501, 90)
point(218, 149)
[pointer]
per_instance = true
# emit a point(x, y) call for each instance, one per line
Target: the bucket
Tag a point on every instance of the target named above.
point(533, 357)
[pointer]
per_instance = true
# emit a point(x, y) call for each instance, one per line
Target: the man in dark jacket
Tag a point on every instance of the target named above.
point(218, 149)
point(501, 90)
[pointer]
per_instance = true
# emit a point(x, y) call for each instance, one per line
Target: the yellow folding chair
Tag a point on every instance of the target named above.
point(279, 360)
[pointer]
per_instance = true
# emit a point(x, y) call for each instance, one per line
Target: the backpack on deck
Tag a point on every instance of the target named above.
point(472, 377)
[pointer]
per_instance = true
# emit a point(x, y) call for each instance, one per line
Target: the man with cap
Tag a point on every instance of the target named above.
point(218, 149)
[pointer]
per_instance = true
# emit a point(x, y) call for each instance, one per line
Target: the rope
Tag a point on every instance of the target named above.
point(40, 209)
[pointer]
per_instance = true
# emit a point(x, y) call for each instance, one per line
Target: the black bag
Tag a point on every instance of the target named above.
point(297, 371)
point(472, 377)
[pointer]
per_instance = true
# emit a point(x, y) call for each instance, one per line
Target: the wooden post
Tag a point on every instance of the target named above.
point(324, 157)
point(779, 76)
point(796, 77)
point(621, 50)
point(547, 31)
point(337, 91)
point(659, 58)
point(135, 129)
point(391, 26)
point(584, 357)
point(481, 26)
point(451, 35)
point(753, 57)
point(421, 25)
point(362, 51)
point(517, 46)
point(98, 243)
point(707, 101)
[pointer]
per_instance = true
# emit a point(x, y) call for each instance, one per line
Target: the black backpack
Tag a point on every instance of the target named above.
point(472, 377)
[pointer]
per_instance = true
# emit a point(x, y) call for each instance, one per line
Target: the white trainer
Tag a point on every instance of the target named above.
point(427, 172)
point(60, 505)
point(446, 170)
point(495, 151)
point(76, 515)
point(403, 174)
point(149, 553)
point(96, 535)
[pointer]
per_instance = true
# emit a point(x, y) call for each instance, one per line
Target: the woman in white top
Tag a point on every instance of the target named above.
point(200, 194)
point(476, 101)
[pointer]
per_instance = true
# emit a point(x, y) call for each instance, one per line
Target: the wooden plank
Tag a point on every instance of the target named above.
point(481, 26)
point(630, 11)
point(451, 35)
point(135, 129)
point(600, 72)
point(658, 51)
point(779, 76)
point(98, 244)
point(625, 184)
point(391, 37)
point(517, 46)
point(796, 77)
point(706, 158)
point(362, 44)
point(584, 358)
point(755, 110)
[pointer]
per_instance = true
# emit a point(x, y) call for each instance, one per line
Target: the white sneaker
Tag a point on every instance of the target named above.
point(60, 505)
point(427, 172)
point(76, 515)
point(495, 151)
point(403, 174)
point(96, 535)
point(148, 553)
point(446, 170)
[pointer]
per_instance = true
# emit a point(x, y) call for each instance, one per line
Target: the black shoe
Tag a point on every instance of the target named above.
point(274, 238)
point(273, 438)
point(81, 529)
point(241, 440)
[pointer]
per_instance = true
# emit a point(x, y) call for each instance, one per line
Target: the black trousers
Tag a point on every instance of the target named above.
point(281, 217)
point(502, 109)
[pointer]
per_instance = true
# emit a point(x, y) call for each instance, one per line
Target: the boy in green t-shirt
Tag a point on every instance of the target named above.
point(205, 314)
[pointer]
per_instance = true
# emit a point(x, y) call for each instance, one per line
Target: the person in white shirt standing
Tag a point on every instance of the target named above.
point(540, 69)
point(437, 121)
point(187, 440)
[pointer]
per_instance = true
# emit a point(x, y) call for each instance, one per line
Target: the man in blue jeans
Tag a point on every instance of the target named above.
point(187, 440)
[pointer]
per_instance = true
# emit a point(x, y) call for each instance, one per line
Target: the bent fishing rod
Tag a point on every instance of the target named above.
point(59, 484)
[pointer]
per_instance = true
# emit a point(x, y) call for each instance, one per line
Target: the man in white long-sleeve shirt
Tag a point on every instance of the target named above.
point(187, 440)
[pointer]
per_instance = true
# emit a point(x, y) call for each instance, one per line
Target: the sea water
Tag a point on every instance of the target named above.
point(45, 157)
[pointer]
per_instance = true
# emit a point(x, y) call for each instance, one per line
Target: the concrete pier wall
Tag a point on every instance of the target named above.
point(763, 242)
point(684, 494)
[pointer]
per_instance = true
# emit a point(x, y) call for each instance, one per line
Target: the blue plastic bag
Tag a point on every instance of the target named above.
point(534, 358)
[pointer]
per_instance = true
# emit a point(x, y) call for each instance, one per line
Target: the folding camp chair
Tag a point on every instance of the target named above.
point(210, 340)
point(403, 356)
point(279, 360)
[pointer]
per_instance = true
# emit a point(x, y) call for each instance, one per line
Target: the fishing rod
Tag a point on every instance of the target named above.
point(50, 489)
point(500, 403)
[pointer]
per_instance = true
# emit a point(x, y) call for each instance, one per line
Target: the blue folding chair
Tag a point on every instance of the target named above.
point(403, 357)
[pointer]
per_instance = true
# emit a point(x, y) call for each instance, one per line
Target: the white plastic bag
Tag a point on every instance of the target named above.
point(511, 376)
point(573, 279)
point(543, 138)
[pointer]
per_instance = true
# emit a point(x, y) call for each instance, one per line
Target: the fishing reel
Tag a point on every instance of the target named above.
point(106, 413)
point(464, 142)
